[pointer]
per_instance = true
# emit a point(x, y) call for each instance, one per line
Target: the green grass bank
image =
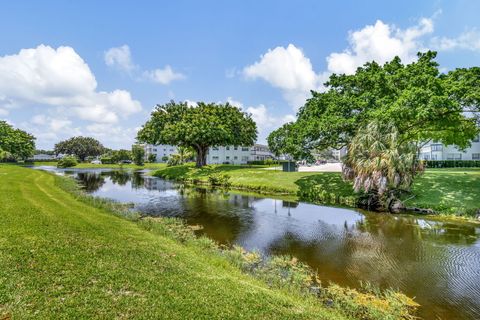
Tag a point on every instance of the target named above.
point(447, 191)
point(63, 258)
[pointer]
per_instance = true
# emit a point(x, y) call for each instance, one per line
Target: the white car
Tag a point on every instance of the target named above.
point(96, 162)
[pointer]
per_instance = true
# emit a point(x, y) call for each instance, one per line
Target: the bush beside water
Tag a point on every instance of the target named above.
point(67, 162)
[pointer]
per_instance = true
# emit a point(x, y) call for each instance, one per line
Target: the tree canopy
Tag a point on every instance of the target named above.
point(80, 147)
point(199, 127)
point(15, 144)
point(419, 101)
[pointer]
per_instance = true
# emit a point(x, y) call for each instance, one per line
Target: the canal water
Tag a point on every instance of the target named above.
point(436, 262)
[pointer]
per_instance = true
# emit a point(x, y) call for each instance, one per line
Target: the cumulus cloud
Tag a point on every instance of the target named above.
point(288, 69)
point(468, 40)
point(380, 42)
point(121, 59)
point(263, 117)
point(163, 76)
point(60, 77)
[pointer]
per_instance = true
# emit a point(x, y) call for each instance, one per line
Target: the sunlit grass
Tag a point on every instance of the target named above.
point(64, 258)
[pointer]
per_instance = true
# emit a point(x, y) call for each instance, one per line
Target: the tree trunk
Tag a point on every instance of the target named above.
point(201, 155)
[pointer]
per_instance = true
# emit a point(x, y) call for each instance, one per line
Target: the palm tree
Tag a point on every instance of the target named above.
point(380, 164)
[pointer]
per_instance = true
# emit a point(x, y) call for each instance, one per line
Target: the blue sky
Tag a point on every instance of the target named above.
point(97, 68)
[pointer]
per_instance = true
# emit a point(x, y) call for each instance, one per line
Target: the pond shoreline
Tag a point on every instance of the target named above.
point(339, 201)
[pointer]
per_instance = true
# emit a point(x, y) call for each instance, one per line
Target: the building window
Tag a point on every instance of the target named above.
point(227, 147)
point(245, 148)
point(454, 156)
point(227, 157)
point(235, 158)
point(215, 148)
point(426, 157)
point(235, 148)
point(214, 158)
point(244, 159)
point(154, 150)
point(171, 150)
point(476, 139)
point(437, 147)
point(475, 156)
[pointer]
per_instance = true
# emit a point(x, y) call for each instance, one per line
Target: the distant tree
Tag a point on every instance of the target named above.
point(283, 142)
point(41, 151)
point(81, 147)
point(138, 154)
point(120, 155)
point(199, 127)
point(15, 144)
point(152, 158)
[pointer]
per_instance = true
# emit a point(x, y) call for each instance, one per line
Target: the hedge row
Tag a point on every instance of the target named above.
point(453, 163)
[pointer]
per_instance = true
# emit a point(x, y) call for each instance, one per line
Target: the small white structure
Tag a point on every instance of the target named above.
point(160, 151)
point(229, 155)
point(437, 151)
point(261, 152)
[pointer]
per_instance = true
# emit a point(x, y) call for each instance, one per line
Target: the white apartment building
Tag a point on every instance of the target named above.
point(160, 151)
point(229, 154)
point(216, 155)
point(438, 151)
point(238, 155)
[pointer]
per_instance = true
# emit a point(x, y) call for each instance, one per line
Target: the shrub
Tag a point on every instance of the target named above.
point(164, 158)
point(452, 163)
point(67, 162)
point(106, 160)
point(219, 179)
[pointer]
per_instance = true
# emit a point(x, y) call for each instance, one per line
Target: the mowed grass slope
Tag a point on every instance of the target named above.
point(452, 191)
point(61, 258)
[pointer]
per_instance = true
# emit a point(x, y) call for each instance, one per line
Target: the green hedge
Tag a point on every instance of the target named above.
point(265, 162)
point(453, 163)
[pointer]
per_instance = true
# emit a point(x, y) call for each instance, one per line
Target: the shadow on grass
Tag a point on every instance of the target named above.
point(328, 188)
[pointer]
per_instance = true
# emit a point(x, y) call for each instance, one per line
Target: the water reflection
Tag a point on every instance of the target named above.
point(437, 262)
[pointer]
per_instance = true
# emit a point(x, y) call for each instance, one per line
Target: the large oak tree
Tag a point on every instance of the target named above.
point(199, 127)
point(80, 147)
point(419, 101)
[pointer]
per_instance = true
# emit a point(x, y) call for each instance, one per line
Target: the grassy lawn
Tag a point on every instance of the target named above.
point(115, 166)
point(449, 191)
point(62, 258)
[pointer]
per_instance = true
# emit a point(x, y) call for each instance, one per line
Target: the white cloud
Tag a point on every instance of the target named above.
point(120, 58)
point(60, 77)
point(379, 42)
point(468, 40)
point(263, 117)
point(163, 76)
point(291, 71)
point(191, 103)
point(288, 69)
